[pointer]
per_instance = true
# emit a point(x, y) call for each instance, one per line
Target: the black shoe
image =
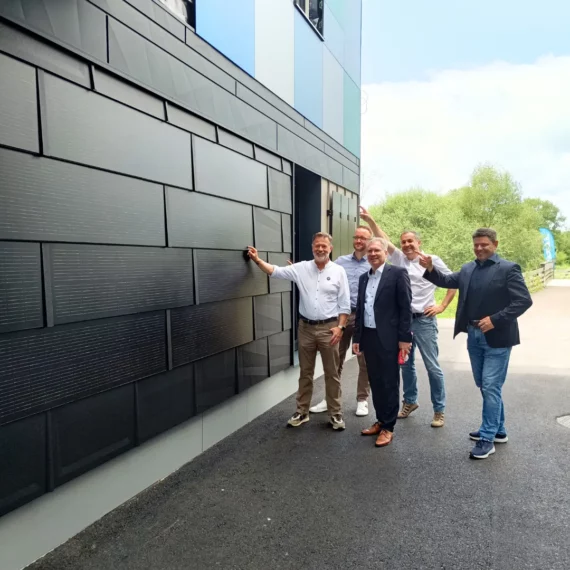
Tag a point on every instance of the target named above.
point(482, 450)
point(499, 438)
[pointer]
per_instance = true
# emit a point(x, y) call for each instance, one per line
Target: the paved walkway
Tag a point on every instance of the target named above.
point(269, 498)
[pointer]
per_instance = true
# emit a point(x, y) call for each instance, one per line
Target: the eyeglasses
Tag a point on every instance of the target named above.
point(359, 238)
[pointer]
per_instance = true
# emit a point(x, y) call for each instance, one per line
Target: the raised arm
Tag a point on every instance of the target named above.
point(263, 265)
point(520, 299)
point(436, 276)
point(376, 230)
point(289, 273)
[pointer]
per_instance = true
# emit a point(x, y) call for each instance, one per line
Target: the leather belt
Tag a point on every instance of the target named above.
point(322, 322)
point(473, 323)
point(417, 315)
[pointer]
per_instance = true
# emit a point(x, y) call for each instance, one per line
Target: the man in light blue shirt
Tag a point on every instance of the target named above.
point(355, 264)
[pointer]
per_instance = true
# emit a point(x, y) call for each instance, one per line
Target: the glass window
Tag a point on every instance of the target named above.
point(313, 10)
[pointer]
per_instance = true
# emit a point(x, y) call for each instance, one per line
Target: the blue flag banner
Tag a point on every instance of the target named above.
point(548, 246)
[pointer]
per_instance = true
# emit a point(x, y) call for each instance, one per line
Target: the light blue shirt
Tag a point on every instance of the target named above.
point(354, 268)
point(370, 296)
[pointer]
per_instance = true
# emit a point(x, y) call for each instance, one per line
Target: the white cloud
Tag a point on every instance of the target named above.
point(433, 133)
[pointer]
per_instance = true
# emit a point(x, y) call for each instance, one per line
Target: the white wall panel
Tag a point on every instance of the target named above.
point(334, 36)
point(275, 47)
point(333, 97)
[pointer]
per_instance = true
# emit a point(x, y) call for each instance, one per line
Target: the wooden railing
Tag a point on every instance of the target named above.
point(563, 273)
point(538, 278)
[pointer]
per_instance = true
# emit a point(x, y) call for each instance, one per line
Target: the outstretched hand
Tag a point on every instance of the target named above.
point(365, 215)
point(252, 252)
point(426, 261)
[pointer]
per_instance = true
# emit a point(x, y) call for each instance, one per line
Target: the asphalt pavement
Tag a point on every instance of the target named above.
point(269, 498)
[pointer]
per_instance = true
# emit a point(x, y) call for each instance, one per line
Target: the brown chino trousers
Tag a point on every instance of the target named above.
point(363, 385)
point(313, 339)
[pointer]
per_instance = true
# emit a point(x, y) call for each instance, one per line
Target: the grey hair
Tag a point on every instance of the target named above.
point(379, 240)
point(485, 232)
point(413, 232)
point(323, 235)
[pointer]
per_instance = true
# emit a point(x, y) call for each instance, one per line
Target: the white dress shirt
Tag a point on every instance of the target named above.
point(370, 296)
point(423, 292)
point(322, 294)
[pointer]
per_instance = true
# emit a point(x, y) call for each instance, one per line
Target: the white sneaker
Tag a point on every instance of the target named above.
point(319, 408)
point(362, 409)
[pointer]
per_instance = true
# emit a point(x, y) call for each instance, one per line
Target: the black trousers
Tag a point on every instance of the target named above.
point(384, 376)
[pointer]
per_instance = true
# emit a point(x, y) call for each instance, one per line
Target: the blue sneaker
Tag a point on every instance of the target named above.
point(499, 438)
point(482, 450)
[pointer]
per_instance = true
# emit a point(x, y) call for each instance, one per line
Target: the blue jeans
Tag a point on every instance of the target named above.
point(489, 367)
point(425, 338)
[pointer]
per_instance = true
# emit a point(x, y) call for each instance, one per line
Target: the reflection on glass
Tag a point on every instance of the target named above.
point(313, 9)
point(183, 9)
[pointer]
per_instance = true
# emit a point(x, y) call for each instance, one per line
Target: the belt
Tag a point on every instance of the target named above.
point(473, 323)
point(417, 315)
point(322, 322)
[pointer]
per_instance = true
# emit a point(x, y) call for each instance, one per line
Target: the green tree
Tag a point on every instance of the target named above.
point(491, 199)
point(548, 213)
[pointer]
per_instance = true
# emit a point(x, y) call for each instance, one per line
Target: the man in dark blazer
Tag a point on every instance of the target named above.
point(383, 324)
point(492, 295)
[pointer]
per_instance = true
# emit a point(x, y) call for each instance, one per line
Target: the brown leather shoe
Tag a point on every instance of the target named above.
point(374, 429)
point(385, 438)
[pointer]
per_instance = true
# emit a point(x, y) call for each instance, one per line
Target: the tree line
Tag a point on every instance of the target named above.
point(493, 199)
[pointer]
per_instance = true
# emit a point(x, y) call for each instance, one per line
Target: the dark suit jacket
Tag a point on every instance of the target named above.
point(392, 307)
point(505, 297)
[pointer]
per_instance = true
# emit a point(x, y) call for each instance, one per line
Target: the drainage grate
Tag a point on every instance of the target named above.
point(564, 421)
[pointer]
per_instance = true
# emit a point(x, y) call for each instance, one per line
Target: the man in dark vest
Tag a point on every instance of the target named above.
point(492, 295)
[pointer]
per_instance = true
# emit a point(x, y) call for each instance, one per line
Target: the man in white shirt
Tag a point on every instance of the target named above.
point(355, 264)
point(424, 321)
point(324, 307)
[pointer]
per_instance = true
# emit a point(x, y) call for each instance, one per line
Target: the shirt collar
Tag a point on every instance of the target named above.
point(327, 265)
point(490, 261)
point(378, 271)
point(353, 256)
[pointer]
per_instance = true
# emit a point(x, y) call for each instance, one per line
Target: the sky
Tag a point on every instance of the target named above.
point(447, 85)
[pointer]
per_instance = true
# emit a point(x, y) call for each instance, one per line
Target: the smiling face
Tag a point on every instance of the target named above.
point(322, 248)
point(360, 239)
point(376, 254)
point(484, 247)
point(410, 245)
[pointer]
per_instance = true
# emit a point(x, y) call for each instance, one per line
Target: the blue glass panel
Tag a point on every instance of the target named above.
point(308, 71)
point(230, 28)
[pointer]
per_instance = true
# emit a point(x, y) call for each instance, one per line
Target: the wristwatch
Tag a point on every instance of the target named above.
point(342, 328)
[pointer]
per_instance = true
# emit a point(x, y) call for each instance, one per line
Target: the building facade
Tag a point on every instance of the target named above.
point(143, 145)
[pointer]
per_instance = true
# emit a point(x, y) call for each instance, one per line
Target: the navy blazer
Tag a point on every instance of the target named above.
point(392, 307)
point(505, 298)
